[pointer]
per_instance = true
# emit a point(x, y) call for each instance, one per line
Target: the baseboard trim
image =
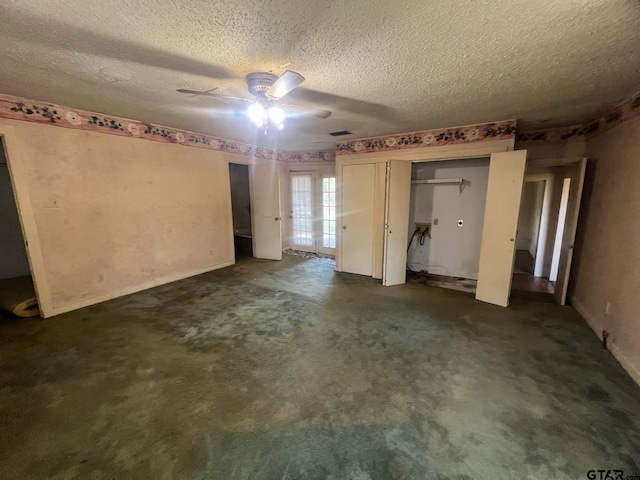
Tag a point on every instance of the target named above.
point(597, 327)
point(134, 289)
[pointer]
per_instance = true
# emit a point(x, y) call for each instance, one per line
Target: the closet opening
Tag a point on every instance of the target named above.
point(446, 217)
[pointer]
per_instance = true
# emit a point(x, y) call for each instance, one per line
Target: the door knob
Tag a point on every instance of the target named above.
point(344, 227)
point(277, 218)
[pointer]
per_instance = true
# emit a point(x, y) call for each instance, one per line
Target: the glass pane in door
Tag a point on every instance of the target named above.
point(329, 212)
point(302, 210)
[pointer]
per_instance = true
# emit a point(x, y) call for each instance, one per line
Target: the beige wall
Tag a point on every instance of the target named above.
point(607, 255)
point(107, 215)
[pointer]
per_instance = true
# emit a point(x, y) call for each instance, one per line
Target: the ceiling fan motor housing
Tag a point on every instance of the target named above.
point(259, 82)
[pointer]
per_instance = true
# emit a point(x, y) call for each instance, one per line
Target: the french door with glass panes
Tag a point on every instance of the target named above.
point(313, 212)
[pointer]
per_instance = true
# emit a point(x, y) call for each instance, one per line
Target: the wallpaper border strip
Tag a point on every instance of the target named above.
point(23, 109)
point(430, 138)
point(622, 113)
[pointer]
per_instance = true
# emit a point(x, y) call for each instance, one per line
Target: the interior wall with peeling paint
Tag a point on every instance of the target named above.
point(607, 253)
point(106, 216)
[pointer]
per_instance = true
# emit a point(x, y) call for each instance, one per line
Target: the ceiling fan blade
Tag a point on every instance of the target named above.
point(283, 85)
point(214, 95)
point(303, 111)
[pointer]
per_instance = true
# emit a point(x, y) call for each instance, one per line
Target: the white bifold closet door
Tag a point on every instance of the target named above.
point(396, 222)
point(358, 216)
point(504, 191)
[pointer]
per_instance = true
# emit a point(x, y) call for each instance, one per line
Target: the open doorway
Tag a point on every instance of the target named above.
point(241, 209)
point(533, 220)
point(255, 208)
point(17, 293)
point(546, 230)
point(445, 222)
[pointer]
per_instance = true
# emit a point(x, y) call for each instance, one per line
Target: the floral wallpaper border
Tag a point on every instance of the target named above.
point(298, 157)
point(18, 108)
point(622, 113)
point(430, 138)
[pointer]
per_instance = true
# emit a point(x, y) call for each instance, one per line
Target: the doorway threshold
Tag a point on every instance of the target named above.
point(525, 285)
point(300, 253)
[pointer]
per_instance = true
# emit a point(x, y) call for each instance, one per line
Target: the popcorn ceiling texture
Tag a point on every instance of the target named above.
point(381, 68)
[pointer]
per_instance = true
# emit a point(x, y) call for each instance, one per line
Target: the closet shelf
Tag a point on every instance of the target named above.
point(458, 181)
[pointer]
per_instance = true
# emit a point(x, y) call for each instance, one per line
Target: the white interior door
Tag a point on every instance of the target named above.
point(504, 192)
point(303, 218)
point(396, 222)
point(265, 208)
point(327, 206)
point(356, 235)
point(576, 173)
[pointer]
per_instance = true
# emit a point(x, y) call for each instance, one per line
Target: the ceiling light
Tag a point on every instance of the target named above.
point(257, 114)
point(276, 115)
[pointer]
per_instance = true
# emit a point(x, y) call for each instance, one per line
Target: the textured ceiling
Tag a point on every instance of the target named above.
point(382, 67)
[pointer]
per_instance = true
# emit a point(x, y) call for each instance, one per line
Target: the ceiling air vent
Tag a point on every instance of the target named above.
point(340, 133)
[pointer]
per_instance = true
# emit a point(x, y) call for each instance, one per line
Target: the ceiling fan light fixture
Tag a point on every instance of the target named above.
point(267, 89)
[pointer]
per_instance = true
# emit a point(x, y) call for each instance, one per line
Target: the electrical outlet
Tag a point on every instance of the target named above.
point(423, 228)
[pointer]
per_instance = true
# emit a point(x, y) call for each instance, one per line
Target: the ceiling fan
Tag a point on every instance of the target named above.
point(268, 89)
